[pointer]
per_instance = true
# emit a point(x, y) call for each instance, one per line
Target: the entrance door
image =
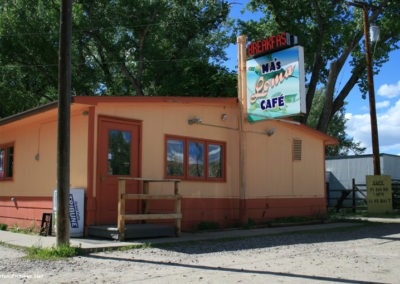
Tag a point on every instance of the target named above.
point(118, 156)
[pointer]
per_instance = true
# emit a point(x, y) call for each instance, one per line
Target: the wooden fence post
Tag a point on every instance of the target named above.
point(146, 190)
point(178, 208)
point(121, 209)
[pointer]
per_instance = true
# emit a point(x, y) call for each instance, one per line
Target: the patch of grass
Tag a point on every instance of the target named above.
point(207, 225)
point(60, 252)
point(250, 224)
point(140, 246)
point(296, 220)
point(394, 214)
point(293, 219)
point(346, 213)
point(33, 229)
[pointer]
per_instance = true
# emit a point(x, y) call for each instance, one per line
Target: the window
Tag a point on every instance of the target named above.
point(195, 159)
point(6, 161)
point(175, 150)
point(119, 161)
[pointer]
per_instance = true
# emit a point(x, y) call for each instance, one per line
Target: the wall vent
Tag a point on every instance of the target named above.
point(296, 149)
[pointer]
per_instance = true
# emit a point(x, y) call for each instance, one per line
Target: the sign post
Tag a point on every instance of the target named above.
point(242, 95)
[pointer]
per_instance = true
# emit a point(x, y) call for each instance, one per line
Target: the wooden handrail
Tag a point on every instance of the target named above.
point(153, 216)
point(145, 197)
point(150, 196)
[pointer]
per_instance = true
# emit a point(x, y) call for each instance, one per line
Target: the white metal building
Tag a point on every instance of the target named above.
point(341, 170)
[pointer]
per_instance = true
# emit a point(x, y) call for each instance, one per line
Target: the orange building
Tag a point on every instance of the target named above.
point(231, 170)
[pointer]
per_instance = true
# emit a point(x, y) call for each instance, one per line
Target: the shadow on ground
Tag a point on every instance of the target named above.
point(384, 232)
point(362, 231)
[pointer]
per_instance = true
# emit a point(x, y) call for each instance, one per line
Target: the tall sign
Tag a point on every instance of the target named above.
point(275, 78)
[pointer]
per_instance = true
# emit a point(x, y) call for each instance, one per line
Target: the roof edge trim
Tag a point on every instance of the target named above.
point(27, 113)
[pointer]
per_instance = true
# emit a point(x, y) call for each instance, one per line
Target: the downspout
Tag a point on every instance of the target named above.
point(242, 97)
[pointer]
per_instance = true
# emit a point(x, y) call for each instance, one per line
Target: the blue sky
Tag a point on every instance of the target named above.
point(387, 96)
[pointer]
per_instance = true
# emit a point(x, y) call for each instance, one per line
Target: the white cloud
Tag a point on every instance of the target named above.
point(359, 127)
point(389, 90)
point(383, 104)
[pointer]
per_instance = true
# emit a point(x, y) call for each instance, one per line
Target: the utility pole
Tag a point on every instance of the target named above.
point(371, 89)
point(64, 116)
point(242, 96)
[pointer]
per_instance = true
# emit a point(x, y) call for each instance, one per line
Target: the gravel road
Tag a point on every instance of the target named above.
point(362, 254)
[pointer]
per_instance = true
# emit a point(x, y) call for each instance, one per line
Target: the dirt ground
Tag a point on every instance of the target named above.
point(362, 254)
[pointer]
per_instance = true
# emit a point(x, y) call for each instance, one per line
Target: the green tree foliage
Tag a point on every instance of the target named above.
point(28, 54)
point(336, 128)
point(332, 34)
point(119, 47)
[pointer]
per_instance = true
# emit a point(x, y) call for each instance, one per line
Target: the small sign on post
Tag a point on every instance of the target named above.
point(379, 194)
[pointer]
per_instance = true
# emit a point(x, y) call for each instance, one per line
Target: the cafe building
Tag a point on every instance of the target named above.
point(230, 171)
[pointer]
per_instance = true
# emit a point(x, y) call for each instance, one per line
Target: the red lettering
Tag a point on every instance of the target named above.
point(253, 46)
point(265, 45)
point(259, 46)
point(270, 43)
point(278, 41)
point(250, 50)
point(283, 35)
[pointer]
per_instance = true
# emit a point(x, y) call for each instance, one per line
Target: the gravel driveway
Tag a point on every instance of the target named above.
point(362, 254)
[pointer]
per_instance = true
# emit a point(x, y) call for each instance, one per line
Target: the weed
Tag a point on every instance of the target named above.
point(32, 229)
point(294, 219)
point(207, 225)
point(63, 251)
point(3, 227)
point(139, 246)
point(250, 224)
point(346, 213)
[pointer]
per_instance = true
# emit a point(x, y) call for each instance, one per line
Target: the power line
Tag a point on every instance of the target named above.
point(13, 66)
point(112, 26)
point(92, 29)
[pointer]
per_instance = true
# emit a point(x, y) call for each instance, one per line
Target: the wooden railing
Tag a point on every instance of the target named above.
point(145, 197)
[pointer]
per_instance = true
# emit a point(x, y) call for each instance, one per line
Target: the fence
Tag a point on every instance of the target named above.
point(357, 196)
point(145, 197)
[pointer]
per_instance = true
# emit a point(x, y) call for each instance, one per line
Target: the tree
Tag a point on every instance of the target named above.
point(120, 47)
point(28, 54)
point(336, 128)
point(331, 34)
